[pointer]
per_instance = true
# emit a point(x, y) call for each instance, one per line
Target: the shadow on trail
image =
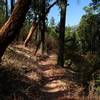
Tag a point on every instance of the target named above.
point(15, 86)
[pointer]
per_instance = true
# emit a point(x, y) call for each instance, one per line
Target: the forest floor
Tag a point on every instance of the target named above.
point(24, 76)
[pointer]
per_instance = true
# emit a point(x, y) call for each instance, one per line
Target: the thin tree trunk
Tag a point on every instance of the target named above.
point(62, 34)
point(43, 27)
point(6, 4)
point(12, 5)
point(45, 13)
point(30, 34)
point(12, 27)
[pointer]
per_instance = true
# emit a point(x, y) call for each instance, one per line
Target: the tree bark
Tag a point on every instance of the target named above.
point(32, 29)
point(42, 22)
point(6, 4)
point(29, 36)
point(60, 60)
point(12, 27)
point(12, 5)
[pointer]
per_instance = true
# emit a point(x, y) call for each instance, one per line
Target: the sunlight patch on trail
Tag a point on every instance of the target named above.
point(55, 86)
point(53, 73)
point(33, 76)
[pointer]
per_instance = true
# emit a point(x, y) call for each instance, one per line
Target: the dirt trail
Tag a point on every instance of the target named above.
point(45, 80)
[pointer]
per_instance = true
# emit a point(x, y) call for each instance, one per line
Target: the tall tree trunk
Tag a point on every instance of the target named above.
point(29, 36)
point(12, 5)
point(6, 4)
point(43, 27)
point(62, 34)
point(12, 27)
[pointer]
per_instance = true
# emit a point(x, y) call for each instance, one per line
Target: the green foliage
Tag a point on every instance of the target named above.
point(88, 9)
point(37, 6)
point(30, 16)
point(71, 40)
point(95, 5)
point(52, 33)
point(25, 30)
point(52, 22)
point(2, 12)
point(88, 31)
point(52, 29)
point(2, 18)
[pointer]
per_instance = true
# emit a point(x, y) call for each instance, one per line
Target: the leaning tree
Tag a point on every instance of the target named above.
point(40, 9)
point(12, 27)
